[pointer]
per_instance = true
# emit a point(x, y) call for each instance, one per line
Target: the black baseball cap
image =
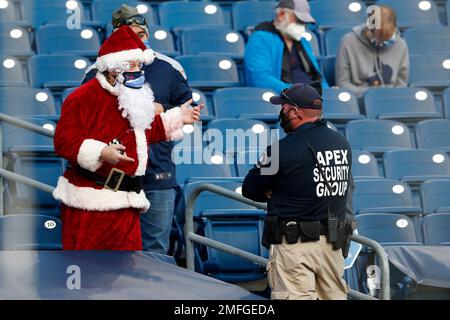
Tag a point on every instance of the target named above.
point(300, 95)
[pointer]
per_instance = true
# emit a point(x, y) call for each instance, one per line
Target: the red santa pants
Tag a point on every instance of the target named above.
point(100, 230)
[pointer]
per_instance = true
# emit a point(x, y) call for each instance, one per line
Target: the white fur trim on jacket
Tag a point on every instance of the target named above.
point(89, 154)
point(141, 146)
point(173, 124)
point(105, 84)
point(91, 199)
point(110, 60)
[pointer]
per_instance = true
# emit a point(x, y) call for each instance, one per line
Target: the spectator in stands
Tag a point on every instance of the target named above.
point(105, 129)
point(277, 55)
point(370, 57)
point(168, 82)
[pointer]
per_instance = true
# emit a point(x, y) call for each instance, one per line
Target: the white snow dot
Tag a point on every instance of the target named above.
point(258, 128)
point(438, 158)
point(446, 64)
point(217, 159)
point(421, 95)
point(238, 190)
point(87, 34)
point(364, 159)
point(398, 130)
point(424, 5)
point(3, 4)
point(142, 8)
point(80, 64)
point(344, 97)
point(307, 36)
point(9, 63)
point(71, 4)
point(41, 96)
point(267, 95)
point(355, 7)
point(196, 96)
point(398, 189)
point(225, 64)
point(160, 35)
point(402, 223)
point(232, 37)
point(16, 33)
point(188, 128)
point(210, 9)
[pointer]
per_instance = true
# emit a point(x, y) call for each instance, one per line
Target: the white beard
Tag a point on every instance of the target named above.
point(136, 105)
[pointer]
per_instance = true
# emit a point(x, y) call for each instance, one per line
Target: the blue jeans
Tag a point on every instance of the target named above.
point(156, 223)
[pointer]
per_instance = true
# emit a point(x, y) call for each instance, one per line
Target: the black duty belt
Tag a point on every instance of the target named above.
point(116, 180)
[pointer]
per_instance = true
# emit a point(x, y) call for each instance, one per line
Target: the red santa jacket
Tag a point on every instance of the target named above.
point(90, 119)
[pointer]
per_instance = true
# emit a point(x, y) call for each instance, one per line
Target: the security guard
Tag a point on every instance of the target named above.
point(305, 179)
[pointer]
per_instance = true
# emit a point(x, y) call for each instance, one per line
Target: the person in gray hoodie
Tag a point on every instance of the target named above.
point(373, 57)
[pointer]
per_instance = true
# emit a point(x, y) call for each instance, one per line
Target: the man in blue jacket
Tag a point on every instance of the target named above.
point(167, 80)
point(277, 55)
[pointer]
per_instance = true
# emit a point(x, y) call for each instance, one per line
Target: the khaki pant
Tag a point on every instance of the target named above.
point(306, 271)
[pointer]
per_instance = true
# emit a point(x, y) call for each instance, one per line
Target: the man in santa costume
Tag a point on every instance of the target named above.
point(105, 129)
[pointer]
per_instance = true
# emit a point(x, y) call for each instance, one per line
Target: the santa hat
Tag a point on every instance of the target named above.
point(121, 46)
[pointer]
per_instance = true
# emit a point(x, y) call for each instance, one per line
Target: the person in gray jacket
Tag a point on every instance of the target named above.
point(373, 57)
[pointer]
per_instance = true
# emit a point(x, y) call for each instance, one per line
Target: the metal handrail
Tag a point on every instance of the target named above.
point(191, 237)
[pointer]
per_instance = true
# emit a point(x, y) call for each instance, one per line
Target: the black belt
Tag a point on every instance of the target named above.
point(116, 180)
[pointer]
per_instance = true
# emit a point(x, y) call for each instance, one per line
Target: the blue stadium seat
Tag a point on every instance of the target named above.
point(102, 10)
point(328, 69)
point(56, 71)
point(331, 14)
point(58, 39)
point(446, 100)
point(381, 195)
point(435, 195)
point(23, 101)
point(333, 38)
point(45, 168)
point(30, 232)
point(208, 201)
point(15, 40)
point(340, 105)
point(181, 14)
point(213, 41)
point(430, 71)
point(364, 165)
point(434, 134)
point(249, 103)
point(388, 229)
point(244, 231)
point(436, 229)
point(416, 165)
point(403, 104)
point(161, 40)
point(413, 12)
point(378, 136)
point(203, 165)
point(239, 134)
point(16, 139)
point(209, 72)
point(248, 14)
point(40, 12)
point(428, 39)
point(207, 113)
point(11, 72)
point(7, 13)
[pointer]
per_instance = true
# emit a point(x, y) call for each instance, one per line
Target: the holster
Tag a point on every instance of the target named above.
point(344, 234)
point(272, 231)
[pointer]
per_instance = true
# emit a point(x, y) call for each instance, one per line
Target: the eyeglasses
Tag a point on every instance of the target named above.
point(138, 19)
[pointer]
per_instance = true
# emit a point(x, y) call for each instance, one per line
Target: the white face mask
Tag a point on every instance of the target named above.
point(295, 31)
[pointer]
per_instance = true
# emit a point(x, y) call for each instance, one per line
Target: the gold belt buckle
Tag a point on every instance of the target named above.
point(111, 173)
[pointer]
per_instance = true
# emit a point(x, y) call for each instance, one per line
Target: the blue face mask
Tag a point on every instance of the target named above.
point(133, 80)
point(383, 44)
point(147, 43)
